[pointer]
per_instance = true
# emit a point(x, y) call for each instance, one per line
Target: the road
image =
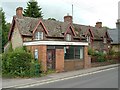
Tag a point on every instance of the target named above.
point(105, 79)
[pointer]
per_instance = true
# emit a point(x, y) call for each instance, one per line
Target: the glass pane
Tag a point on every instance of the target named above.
point(36, 53)
point(77, 52)
point(81, 53)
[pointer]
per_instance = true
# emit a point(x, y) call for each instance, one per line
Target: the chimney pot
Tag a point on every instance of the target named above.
point(68, 18)
point(98, 24)
point(19, 12)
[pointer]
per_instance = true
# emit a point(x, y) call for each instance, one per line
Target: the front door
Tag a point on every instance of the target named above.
point(51, 59)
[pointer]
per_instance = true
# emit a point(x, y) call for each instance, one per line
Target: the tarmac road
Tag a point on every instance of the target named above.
point(105, 79)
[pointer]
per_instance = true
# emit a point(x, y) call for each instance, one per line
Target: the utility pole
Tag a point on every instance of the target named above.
point(72, 12)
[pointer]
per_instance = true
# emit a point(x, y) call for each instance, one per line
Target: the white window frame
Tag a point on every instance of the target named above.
point(36, 54)
point(68, 37)
point(39, 36)
point(81, 53)
point(88, 39)
point(104, 40)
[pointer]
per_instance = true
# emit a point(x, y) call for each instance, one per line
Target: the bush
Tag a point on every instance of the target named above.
point(90, 51)
point(18, 63)
point(101, 57)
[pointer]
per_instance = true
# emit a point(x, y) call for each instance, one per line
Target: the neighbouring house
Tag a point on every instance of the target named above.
point(61, 46)
point(114, 34)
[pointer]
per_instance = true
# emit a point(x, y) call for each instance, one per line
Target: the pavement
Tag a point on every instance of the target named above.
point(19, 83)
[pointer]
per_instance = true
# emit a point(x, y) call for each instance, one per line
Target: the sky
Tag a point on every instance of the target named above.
point(85, 12)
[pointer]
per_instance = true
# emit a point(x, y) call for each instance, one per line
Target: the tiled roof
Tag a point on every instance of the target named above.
point(56, 28)
point(114, 35)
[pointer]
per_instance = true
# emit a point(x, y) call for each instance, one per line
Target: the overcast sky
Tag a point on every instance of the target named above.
point(86, 12)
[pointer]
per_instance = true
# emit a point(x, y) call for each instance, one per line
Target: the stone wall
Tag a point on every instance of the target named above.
point(16, 39)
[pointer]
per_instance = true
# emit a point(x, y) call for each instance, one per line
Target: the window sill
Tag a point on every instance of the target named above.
point(73, 59)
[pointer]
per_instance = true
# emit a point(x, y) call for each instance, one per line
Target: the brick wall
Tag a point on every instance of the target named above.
point(59, 60)
point(73, 65)
point(42, 50)
point(87, 60)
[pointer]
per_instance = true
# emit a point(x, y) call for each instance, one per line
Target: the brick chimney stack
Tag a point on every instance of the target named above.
point(19, 11)
point(68, 18)
point(98, 24)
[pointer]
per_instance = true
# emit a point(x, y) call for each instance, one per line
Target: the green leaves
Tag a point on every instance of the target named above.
point(33, 10)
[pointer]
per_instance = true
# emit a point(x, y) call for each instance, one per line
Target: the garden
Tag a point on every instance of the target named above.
point(101, 58)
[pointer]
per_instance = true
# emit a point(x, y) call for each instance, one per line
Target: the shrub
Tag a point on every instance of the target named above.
point(90, 51)
point(18, 63)
point(101, 57)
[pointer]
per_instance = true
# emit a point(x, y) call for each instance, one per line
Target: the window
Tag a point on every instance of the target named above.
point(104, 51)
point(105, 40)
point(36, 54)
point(73, 52)
point(39, 35)
point(68, 37)
point(88, 39)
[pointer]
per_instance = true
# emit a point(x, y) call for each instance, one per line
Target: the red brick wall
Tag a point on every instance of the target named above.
point(42, 51)
point(87, 61)
point(73, 65)
point(59, 60)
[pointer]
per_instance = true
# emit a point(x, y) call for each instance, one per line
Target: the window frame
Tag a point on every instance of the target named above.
point(104, 40)
point(68, 37)
point(39, 35)
point(36, 53)
point(73, 54)
point(88, 39)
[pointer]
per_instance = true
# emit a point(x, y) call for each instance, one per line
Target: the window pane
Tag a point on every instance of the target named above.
point(81, 53)
point(36, 53)
point(41, 35)
point(68, 37)
point(36, 35)
point(77, 52)
point(73, 52)
point(69, 52)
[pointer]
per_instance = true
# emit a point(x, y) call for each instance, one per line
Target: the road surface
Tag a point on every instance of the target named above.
point(105, 79)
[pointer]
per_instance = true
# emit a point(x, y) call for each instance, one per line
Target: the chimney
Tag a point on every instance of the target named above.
point(98, 24)
point(68, 18)
point(118, 24)
point(19, 12)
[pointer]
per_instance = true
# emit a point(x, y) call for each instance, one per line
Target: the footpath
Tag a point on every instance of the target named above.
point(19, 83)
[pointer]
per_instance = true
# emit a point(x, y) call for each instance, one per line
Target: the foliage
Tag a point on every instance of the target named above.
point(4, 29)
point(101, 57)
point(90, 51)
point(18, 63)
point(111, 52)
point(33, 10)
point(52, 19)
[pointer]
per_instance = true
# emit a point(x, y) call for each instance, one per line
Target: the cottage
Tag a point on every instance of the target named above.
point(61, 46)
point(114, 35)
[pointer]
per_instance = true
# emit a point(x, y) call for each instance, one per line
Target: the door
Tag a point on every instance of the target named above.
point(51, 59)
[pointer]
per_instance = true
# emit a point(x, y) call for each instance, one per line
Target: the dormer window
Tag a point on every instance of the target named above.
point(88, 39)
point(39, 36)
point(68, 37)
point(104, 40)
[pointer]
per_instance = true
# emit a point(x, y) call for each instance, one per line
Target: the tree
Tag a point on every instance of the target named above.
point(4, 29)
point(33, 10)
point(52, 19)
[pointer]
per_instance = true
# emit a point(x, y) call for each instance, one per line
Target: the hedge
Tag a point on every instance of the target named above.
point(18, 63)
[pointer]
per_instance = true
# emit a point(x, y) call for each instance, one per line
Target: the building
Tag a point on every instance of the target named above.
point(115, 36)
point(57, 45)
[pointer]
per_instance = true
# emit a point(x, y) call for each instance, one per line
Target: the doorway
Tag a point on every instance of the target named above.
point(51, 59)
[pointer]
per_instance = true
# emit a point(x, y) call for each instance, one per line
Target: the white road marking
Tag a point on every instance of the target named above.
point(65, 78)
